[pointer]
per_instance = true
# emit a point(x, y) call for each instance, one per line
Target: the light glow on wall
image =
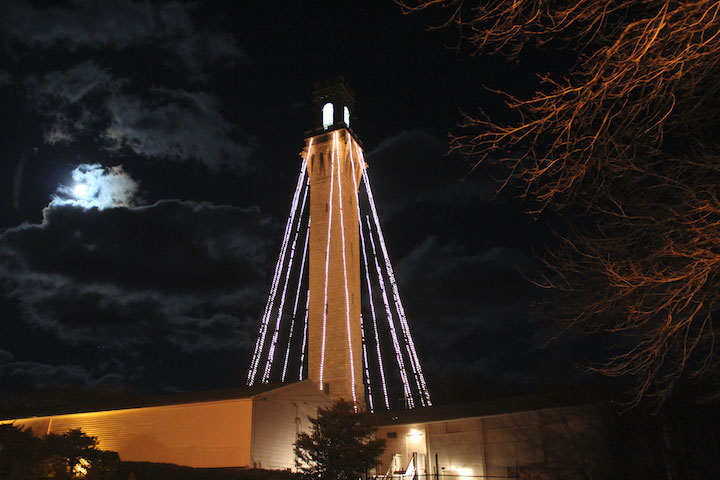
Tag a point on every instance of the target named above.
point(81, 468)
point(464, 472)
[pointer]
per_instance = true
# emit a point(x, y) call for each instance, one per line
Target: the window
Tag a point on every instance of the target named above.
point(346, 116)
point(327, 115)
point(391, 434)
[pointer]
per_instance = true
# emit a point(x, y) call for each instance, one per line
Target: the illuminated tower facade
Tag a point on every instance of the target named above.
point(335, 166)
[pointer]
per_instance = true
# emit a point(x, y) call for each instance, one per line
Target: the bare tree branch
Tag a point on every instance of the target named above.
point(624, 146)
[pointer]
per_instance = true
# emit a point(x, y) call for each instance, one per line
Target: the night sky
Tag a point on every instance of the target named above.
point(186, 121)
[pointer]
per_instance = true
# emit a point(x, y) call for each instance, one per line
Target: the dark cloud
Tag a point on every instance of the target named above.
point(90, 23)
point(118, 24)
point(200, 50)
point(5, 78)
point(69, 99)
point(178, 125)
point(24, 374)
point(480, 290)
point(42, 375)
point(5, 356)
point(428, 173)
point(183, 273)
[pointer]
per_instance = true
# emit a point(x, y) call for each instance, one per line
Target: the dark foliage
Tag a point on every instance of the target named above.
point(169, 471)
point(63, 456)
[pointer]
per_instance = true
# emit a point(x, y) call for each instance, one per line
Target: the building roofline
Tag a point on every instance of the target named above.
point(489, 408)
point(146, 401)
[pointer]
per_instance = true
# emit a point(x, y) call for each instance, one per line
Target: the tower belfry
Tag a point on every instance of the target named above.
point(332, 253)
point(335, 168)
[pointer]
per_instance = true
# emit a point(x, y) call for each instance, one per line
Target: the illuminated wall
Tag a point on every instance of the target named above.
point(196, 434)
point(278, 416)
point(254, 431)
point(493, 445)
point(334, 336)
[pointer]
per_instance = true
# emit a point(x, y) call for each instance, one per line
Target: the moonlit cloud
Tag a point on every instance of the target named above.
point(97, 187)
point(177, 125)
point(71, 99)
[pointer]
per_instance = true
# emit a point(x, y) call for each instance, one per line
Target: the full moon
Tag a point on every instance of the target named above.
point(80, 189)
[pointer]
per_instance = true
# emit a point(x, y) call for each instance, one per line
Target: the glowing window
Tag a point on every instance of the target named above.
point(327, 115)
point(346, 116)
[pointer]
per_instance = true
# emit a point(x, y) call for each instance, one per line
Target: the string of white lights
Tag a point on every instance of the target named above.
point(297, 294)
point(367, 369)
point(327, 269)
point(391, 324)
point(302, 263)
point(410, 345)
point(369, 286)
point(260, 343)
point(345, 277)
point(281, 309)
point(374, 321)
point(304, 337)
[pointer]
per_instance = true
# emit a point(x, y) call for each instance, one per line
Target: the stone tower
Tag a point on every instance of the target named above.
point(335, 171)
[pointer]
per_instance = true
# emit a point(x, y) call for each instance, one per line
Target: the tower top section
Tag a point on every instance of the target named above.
point(334, 104)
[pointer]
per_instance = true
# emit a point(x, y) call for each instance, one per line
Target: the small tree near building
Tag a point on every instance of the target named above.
point(71, 455)
point(341, 445)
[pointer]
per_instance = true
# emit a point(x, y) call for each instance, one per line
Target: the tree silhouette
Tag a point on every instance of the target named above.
point(70, 455)
point(341, 445)
point(19, 451)
point(622, 145)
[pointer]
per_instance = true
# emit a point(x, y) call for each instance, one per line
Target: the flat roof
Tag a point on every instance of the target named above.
point(487, 408)
point(140, 401)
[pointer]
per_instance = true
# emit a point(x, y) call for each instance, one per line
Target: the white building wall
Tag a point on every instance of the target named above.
point(512, 440)
point(278, 417)
point(493, 445)
point(459, 446)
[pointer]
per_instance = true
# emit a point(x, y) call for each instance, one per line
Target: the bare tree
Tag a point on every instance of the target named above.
point(623, 145)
